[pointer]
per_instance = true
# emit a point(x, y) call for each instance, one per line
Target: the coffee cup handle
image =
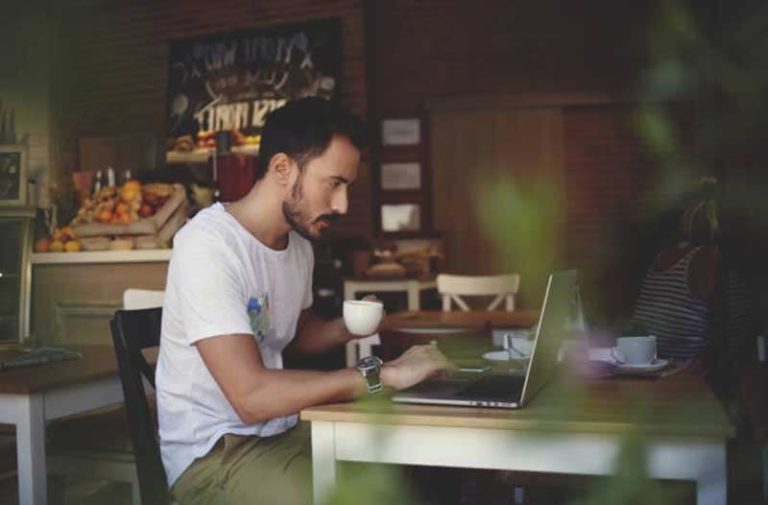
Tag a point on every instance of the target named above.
point(616, 357)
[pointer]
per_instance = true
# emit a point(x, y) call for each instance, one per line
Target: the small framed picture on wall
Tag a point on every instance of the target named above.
point(13, 175)
point(401, 217)
point(400, 132)
point(400, 176)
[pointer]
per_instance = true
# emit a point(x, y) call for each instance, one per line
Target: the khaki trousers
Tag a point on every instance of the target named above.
point(251, 470)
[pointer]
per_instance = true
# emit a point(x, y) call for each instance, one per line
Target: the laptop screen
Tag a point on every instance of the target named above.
point(555, 326)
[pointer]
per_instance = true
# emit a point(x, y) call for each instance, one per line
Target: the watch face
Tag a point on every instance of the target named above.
point(369, 362)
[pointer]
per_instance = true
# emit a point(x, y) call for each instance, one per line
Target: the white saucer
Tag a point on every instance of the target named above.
point(655, 366)
point(503, 356)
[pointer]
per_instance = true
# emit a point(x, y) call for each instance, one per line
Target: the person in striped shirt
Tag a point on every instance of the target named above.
point(677, 295)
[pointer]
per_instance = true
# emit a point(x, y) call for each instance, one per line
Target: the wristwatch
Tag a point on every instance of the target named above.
point(370, 368)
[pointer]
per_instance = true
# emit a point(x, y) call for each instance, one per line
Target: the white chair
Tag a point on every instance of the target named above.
point(503, 287)
point(134, 299)
point(116, 464)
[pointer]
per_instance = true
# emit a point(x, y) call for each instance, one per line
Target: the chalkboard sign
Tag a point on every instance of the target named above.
point(231, 81)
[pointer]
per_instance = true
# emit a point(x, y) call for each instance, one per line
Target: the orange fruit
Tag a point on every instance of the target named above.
point(129, 194)
point(42, 245)
point(56, 246)
point(105, 216)
point(68, 232)
point(72, 246)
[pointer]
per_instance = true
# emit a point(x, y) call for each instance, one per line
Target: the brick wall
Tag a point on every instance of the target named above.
point(112, 57)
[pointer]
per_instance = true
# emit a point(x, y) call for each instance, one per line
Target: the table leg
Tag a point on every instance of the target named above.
point(413, 296)
point(711, 488)
point(30, 451)
point(349, 291)
point(323, 460)
point(351, 353)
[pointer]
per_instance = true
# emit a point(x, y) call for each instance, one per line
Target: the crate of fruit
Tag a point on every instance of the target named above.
point(130, 209)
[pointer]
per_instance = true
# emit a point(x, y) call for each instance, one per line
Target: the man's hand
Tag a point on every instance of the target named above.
point(413, 366)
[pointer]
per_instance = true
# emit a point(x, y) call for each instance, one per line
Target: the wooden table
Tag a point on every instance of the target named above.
point(475, 319)
point(570, 427)
point(31, 396)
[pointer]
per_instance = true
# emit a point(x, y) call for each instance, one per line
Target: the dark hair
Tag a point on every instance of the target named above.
point(303, 128)
point(699, 222)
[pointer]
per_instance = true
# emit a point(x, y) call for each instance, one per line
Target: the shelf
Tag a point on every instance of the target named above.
point(132, 256)
point(202, 155)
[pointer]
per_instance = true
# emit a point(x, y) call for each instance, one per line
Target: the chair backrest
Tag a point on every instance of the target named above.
point(133, 331)
point(142, 298)
point(503, 287)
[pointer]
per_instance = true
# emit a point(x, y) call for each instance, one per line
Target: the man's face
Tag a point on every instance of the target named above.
point(319, 195)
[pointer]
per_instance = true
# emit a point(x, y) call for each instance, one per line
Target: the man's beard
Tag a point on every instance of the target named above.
point(296, 213)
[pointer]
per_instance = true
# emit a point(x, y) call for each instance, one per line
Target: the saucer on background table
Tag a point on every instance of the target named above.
point(655, 366)
point(504, 356)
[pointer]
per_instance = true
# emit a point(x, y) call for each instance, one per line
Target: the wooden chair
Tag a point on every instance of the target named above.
point(108, 454)
point(503, 287)
point(132, 332)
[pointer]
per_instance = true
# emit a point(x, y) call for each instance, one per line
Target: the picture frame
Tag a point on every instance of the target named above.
point(402, 217)
point(401, 176)
point(13, 175)
point(401, 132)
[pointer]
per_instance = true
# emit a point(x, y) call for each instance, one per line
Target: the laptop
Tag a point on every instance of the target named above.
point(512, 391)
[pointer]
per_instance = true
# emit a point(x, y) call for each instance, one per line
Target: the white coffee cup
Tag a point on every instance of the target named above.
point(362, 317)
point(635, 350)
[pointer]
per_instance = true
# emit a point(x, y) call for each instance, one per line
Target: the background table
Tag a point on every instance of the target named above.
point(412, 287)
point(32, 396)
point(431, 321)
point(475, 319)
point(564, 429)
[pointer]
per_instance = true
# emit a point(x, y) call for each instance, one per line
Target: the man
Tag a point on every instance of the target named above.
point(238, 293)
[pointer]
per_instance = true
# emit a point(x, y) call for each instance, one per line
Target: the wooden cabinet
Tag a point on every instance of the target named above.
point(74, 295)
point(15, 230)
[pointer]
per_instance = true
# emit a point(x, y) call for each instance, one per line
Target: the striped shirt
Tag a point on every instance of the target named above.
point(667, 308)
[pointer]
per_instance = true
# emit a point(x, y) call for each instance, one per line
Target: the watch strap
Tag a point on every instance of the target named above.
point(370, 369)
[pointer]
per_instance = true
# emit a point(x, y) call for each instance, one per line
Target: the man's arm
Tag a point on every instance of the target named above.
point(315, 334)
point(258, 393)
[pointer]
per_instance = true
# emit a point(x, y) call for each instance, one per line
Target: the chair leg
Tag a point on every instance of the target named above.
point(135, 493)
point(519, 494)
point(765, 472)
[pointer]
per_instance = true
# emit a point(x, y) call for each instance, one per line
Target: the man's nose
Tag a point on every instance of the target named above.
point(340, 203)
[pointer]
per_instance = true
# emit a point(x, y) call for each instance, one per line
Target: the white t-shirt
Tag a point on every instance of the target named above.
point(222, 280)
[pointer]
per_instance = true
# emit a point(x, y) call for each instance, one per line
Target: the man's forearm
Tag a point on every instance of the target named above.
point(284, 392)
point(318, 335)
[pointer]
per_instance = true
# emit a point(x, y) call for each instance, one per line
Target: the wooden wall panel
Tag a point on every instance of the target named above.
point(111, 71)
point(475, 148)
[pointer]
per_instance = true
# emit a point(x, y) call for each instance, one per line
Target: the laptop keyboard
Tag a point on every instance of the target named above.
point(494, 386)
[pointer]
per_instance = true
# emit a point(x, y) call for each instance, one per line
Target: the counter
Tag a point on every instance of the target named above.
point(75, 294)
point(131, 256)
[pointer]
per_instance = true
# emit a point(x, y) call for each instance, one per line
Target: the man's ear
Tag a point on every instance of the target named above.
point(283, 168)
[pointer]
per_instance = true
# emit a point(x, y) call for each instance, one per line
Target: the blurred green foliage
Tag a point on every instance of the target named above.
point(708, 58)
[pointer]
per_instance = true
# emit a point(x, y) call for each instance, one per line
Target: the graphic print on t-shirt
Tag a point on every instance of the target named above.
point(258, 313)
